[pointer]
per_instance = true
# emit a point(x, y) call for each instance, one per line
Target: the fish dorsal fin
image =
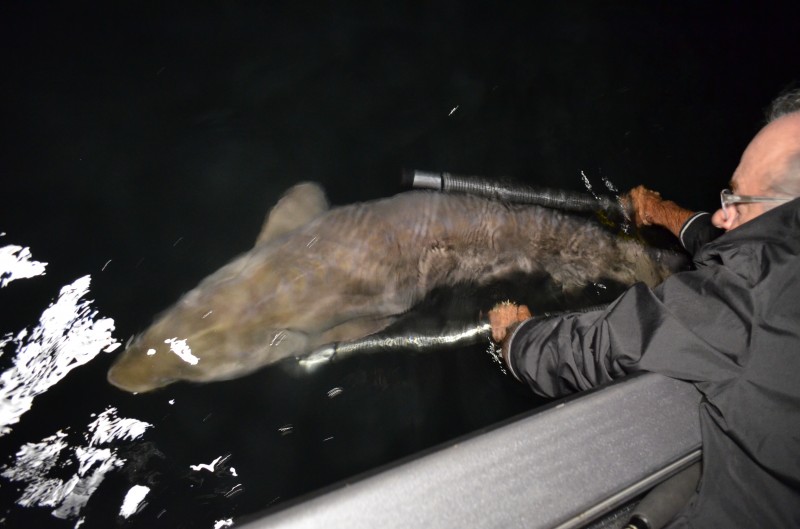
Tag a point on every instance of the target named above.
point(297, 207)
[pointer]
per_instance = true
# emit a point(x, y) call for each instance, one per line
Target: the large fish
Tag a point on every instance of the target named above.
point(318, 275)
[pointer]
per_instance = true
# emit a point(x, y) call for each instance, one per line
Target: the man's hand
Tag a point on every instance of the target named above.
point(644, 204)
point(504, 315)
point(650, 209)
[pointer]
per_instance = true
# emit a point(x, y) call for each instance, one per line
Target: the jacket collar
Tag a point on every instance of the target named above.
point(778, 225)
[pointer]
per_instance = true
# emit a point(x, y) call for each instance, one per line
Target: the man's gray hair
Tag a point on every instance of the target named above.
point(787, 183)
point(786, 103)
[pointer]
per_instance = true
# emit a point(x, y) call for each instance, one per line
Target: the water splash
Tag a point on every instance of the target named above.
point(286, 429)
point(68, 336)
point(626, 226)
point(610, 186)
point(211, 467)
point(16, 263)
point(35, 464)
point(133, 500)
point(108, 427)
point(588, 185)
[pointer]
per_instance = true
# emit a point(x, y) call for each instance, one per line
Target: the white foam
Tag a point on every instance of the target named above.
point(108, 427)
point(16, 263)
point(67, 336)
point(34, 464)
point(210, 466)
point(133, 500)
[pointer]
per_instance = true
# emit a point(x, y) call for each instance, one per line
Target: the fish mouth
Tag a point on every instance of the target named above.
point(122, 378)
point(129, 373)
point(213, 354)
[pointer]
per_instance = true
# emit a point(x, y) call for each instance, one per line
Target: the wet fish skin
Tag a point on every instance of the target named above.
point(318, 275)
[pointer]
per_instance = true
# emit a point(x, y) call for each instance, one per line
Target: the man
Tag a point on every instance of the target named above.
point(732, 327)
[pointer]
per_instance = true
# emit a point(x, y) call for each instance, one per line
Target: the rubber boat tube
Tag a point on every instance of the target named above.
point(563, 467)
point(666, 500)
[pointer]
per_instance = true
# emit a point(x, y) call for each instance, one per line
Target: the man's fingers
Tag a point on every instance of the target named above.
point(642, 201)
point(500, 318)
point(503, 316)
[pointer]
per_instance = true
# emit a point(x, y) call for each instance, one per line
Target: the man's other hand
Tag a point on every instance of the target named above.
point(504, 315)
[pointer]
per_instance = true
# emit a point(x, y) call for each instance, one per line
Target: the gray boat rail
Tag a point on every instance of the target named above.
point(563, 467)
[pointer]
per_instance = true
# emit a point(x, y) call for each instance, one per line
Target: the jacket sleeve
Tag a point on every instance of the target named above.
point(694, 326)
point(697, 231)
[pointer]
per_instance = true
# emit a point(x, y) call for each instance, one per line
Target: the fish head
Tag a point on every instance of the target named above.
point(163, 355)
point(141, 368)
point(228, 326)
point(258, 309)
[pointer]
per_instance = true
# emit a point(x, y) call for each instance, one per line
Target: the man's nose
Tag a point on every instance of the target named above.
point(719, 220)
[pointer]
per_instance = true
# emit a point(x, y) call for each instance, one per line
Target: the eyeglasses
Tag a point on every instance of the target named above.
point(728, 198)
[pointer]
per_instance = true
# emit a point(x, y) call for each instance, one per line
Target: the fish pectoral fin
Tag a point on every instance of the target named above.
point(297, 207)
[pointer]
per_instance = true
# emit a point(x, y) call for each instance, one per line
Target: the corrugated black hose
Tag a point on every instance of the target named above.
point(514, 192)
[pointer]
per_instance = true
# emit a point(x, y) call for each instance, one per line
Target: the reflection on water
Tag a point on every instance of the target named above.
point(16, 263)
point(68, 335)
point(37, 467)
point(133, 500)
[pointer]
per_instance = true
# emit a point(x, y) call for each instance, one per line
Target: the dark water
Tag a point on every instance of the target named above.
point(144, 146)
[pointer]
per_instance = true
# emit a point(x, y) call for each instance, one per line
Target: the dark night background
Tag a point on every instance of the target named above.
point(158, 138)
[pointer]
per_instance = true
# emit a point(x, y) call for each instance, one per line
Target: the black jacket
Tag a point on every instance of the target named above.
point(697, 231)
point(732, 327)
